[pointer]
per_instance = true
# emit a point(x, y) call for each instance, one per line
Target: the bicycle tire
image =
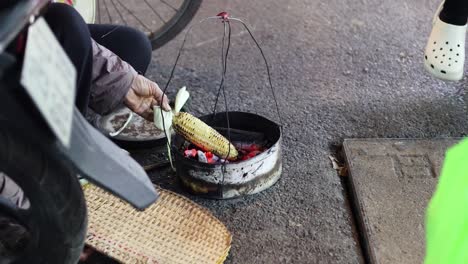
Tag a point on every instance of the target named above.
point(174, 26)
point(57, 219)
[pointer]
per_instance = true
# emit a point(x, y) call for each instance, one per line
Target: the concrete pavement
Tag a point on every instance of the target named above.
point(342, 69)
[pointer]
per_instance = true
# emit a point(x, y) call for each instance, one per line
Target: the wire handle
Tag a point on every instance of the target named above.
point(224, 17)
point(226, 20)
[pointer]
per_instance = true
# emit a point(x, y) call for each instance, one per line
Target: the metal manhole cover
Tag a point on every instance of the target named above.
point(392, 181)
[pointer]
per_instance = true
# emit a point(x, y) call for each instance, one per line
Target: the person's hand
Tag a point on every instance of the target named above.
point(143, 95)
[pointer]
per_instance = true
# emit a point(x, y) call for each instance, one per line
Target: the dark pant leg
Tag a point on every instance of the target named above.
point(73, 34)
point(455, 12)
point(131, 45)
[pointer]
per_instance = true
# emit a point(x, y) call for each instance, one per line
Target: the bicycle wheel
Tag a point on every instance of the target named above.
point(161, 20)
point(56, 216)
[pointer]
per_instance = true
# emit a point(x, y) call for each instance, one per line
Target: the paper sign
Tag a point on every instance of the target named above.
point(49, 77)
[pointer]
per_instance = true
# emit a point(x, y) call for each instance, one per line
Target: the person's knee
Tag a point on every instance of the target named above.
point(71, 31)
point(140, 42)
point(130, 44)
point(68, 26)
point(63, 15)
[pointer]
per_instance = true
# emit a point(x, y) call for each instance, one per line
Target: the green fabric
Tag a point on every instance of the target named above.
point(447, 213)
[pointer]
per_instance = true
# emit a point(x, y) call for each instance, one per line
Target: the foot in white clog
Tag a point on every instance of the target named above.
point(444, 56)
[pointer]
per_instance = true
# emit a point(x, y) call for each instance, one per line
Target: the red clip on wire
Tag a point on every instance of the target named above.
point(224, 16)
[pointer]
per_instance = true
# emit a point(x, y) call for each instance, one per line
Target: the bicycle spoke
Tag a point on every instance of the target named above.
point(156, 12)
point(98, 11)
point(118, 12)
point(134, 16)
point(166, 3)
point(172, 16)
point(108, 13)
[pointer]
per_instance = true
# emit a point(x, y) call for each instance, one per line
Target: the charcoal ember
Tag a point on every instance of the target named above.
point(251, 154)
point(247, 149)
point(190, 153)
point(214, 159)
point(201, 156)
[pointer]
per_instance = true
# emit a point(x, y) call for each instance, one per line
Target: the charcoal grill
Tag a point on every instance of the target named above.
point(230, 179)
point(224, 181)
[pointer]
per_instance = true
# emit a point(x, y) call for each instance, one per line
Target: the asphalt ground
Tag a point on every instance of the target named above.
point(341, 69)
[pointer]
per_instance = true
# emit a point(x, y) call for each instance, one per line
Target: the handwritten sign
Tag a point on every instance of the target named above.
point(49, 78)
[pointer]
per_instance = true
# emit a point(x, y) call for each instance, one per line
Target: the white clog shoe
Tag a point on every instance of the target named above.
point(444, 56)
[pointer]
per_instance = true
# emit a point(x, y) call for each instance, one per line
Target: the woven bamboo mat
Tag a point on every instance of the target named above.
point(171, 231)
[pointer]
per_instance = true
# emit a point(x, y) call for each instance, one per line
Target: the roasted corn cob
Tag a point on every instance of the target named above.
point(203, 136)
